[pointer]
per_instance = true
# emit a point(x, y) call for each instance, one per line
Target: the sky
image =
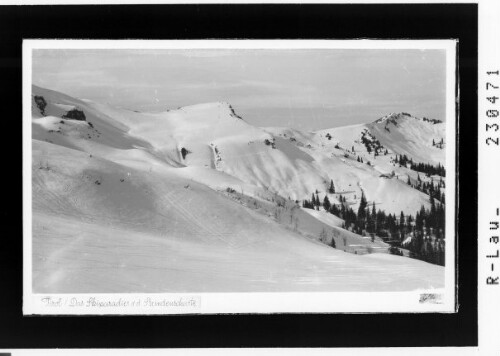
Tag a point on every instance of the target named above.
point(307, 89)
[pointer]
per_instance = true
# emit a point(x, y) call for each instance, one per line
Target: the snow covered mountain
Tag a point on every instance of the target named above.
point(361, 158)
point(197, 199)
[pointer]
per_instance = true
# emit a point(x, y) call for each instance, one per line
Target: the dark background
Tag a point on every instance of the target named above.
point(394, 21)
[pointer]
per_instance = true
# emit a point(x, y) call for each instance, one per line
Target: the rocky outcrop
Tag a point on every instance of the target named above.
point(75, 114)
point(184, 152)
point(40, 103)
point(233, 113)
point(432, 121)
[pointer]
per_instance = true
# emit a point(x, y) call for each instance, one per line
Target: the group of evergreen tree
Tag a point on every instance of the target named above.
point(427, 248)
point(426, 168)
point(427, 228)
point(314, 203)
point(428, 234)
point(371, 143)
point(433, 218)
point(430, 188)
point(438, 144)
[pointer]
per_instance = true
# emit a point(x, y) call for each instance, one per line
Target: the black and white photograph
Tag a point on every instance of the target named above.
point(236, 178)
point(255, 167)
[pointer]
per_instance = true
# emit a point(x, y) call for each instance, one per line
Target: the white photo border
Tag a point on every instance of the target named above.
point(229, 303)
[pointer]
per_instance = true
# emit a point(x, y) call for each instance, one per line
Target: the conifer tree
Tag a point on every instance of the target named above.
point(331, 190)
point(362, 207)
point(326, 203)
point(432, 214)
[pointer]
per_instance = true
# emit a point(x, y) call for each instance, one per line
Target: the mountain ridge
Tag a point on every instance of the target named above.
point(195, 136)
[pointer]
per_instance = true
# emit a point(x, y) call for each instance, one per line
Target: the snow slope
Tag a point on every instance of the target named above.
point(150, 234)
point(135, 202)
point(334, 159)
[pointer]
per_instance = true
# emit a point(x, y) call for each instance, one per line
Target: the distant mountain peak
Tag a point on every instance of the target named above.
point(218, 108)
point(394, 117)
